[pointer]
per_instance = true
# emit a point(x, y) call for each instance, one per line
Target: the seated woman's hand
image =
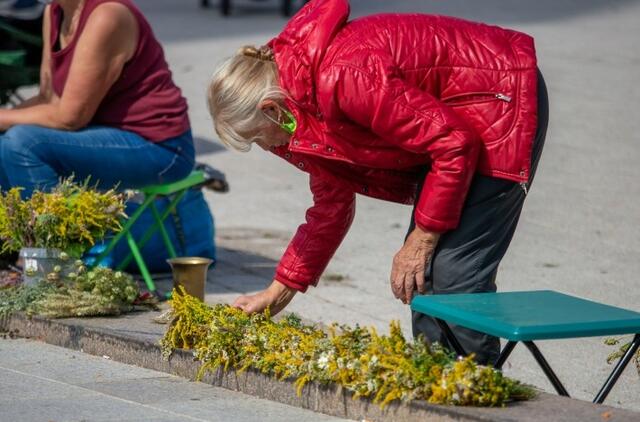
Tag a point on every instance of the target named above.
point(276, 297)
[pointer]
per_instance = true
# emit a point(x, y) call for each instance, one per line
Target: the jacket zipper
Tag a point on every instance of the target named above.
point(476, 97)
point(481, 97)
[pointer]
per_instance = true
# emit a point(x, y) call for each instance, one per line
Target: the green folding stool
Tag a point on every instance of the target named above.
point(533, 315)
point(176, 190)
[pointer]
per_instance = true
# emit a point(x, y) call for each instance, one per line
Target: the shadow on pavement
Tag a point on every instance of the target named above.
point(240, 271)
point(205, 146)
point(236, 271)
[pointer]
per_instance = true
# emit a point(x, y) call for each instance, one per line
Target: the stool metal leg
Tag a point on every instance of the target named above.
point(457, 347)
point(504, 355)
point(125, 230)
point(163, 231)
point(141, 264)
point(617, 371)
point(546, 368)
point(151, 230)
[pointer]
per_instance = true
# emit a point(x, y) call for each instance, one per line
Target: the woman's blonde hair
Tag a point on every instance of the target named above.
point(237, 88)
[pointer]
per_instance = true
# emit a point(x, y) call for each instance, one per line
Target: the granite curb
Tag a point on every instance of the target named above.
point(329, 400)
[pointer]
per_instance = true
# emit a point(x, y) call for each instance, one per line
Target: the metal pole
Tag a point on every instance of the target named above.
point(457, 347)
point(546, 368)
point(617, 371)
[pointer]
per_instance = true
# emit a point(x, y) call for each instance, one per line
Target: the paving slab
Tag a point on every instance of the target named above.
point(39, 382)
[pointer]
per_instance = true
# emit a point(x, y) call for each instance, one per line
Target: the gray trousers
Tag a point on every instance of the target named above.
point(466, 259)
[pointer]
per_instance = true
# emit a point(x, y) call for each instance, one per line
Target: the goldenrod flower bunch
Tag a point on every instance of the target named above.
point(383, 367)
point(70, 218)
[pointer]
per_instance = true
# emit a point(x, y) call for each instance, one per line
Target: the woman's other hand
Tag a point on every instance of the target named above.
point(276, 297)
point(409, 264)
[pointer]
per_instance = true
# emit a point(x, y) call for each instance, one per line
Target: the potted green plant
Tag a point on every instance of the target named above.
point(51, 228)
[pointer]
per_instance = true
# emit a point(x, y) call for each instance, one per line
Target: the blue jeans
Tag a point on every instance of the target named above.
point(35, 157)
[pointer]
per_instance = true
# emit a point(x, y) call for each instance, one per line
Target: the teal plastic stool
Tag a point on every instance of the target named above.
point(177, 190)
point(533, 315)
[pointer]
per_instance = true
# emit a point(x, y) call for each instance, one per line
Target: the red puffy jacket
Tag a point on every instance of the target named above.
point(380, 98)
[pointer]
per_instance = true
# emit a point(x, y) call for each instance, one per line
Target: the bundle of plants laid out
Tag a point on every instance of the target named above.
point(70, 218)
point(98, 292)
point(622, 349)
point(382, 367)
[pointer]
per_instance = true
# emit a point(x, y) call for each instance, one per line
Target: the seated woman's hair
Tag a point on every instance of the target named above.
point(237, 88)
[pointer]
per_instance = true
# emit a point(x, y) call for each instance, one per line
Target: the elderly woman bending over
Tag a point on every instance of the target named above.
point(441, 113)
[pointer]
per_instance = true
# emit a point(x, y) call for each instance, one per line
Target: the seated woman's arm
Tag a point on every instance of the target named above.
point(108, 41)
point(45, 92)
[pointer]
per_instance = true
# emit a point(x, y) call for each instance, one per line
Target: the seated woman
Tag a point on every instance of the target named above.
point(107, 107)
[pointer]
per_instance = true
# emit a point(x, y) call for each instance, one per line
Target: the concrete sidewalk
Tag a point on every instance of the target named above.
point(243, 262)
point(133, 339)
point(39, 382)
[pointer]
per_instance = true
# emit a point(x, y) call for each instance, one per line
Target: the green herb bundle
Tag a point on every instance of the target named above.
point(622, 349)
point(98, 292)
point(21, 298)
point(382, 367)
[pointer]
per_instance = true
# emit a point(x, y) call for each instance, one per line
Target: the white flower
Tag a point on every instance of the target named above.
point(323, 361)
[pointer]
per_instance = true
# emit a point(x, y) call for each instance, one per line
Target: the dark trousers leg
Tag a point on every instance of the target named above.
point(466, 259)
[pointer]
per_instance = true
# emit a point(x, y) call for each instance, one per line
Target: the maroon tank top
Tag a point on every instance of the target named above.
point(144, 99)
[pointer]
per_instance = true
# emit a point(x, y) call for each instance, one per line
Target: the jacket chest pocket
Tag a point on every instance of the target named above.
point(490, 114)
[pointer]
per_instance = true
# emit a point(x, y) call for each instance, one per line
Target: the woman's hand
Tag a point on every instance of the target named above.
point(276, 297)
point(409, 264)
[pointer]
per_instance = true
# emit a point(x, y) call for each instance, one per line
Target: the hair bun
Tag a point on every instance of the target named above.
point(262, 53)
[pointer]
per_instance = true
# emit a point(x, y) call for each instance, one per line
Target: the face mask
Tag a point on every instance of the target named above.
point(290, 126)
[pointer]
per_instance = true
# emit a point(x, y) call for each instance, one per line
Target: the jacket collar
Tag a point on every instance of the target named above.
point(300, 47)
